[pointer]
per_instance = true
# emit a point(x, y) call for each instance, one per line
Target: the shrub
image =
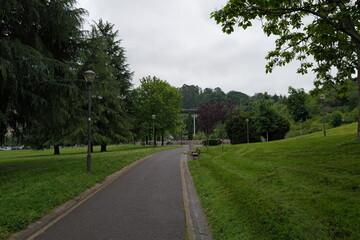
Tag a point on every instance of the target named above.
point(336, 119)
point(212, 142)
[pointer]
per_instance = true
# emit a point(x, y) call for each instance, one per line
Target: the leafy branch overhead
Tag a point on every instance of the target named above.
point(326, 30)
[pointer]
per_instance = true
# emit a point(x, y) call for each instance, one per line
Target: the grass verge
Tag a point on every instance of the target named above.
point(300, 188)
point(33, 183)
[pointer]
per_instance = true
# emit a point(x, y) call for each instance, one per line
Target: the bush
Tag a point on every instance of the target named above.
point(212, 142)
point(352, 116)
point(336, 119)
point(236, 129)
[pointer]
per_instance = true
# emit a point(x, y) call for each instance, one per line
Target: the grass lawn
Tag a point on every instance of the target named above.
point(33, 183)
point(300, 188)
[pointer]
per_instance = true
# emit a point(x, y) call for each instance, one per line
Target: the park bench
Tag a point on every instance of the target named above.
point(196, 153)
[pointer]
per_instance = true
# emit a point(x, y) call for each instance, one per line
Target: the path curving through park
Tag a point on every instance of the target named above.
point(144, 203)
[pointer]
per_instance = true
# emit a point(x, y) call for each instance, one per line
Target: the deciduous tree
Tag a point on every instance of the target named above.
point(209, 115)
point(327, 30)
point(157, 97)
point(297, 105)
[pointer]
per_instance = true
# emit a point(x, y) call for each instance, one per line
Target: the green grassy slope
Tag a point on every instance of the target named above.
point(32, 183)
point(300, 188)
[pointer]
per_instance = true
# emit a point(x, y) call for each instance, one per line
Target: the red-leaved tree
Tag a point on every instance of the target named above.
point(211, 114)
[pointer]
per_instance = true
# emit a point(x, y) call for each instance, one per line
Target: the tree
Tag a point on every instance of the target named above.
point(111, 90)
point(328, 30)
point(157, 97)
point(212, 95)
point(190, 127)
point(269, 123)
point(39, 46)
point(296, 104)
point(237, 98)
point(209, 115)
point(190, 94)
point(336, 119)
point(236, 129)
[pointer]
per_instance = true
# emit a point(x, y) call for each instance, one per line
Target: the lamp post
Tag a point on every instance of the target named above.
point(89, 78)
point(322, 97)
point(194, 116)
point(247, 130)
point(181, 133)
point(153, 118)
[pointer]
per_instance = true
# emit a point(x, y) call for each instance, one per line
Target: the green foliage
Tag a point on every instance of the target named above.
point(219, 132)
point(325, 37)
point(296, 103)
point(38, 53)
point(212, 142)
point(336, 119)
point(328, 31)
point(300, 188)
point(236, 128)
point(111, 89)
point(194, 96)
point(270, 124)
point(190, 94)
point(159, 98)
point(237, 98)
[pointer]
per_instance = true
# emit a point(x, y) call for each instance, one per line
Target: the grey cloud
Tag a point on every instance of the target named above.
point(178, 42)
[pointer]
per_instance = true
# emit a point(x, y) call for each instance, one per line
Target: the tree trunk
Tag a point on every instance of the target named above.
point(267, 136)
point(162, 139)
point(57, 150)
point(92, 148)
point(103, 148)
point(147, 140)
point(155, 139)
point(358, 81)
point(207, 142)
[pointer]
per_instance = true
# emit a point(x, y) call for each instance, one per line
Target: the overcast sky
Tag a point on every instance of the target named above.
point(178, 42)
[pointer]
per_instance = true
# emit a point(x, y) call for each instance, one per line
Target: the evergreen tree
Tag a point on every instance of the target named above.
point(111, 90)
point(39, 44)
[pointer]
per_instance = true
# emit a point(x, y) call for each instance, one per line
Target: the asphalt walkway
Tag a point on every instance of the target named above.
point(144, 203)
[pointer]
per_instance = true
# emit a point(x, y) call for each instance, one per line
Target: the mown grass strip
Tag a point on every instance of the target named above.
point(301, 188)
point(32, 183)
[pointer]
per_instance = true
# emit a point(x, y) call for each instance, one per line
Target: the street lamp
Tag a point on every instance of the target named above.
point(153, 118)
point(322, 97)
point(89, 78)
point(247, 130)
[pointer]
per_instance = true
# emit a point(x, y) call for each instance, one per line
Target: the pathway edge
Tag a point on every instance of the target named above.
point(36, 228)
point(196, 221)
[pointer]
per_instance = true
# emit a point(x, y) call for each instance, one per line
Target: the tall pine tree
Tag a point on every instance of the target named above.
point(39, 42)
point(111, 89)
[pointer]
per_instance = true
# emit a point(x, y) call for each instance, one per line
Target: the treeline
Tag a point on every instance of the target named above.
point(269, 117)
point(43, 95)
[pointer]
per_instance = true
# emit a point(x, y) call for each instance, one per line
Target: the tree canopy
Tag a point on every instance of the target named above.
point(104, 55)
point(328, 30)
point(296, 104)
point(39, 45)
point(156, 97)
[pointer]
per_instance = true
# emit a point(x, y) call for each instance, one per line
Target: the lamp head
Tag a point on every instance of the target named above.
point(89, 76)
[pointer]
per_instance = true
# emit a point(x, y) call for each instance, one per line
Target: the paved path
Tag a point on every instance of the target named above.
point(145, 203)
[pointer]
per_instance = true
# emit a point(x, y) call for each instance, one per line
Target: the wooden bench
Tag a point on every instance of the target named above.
point(196, 153)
